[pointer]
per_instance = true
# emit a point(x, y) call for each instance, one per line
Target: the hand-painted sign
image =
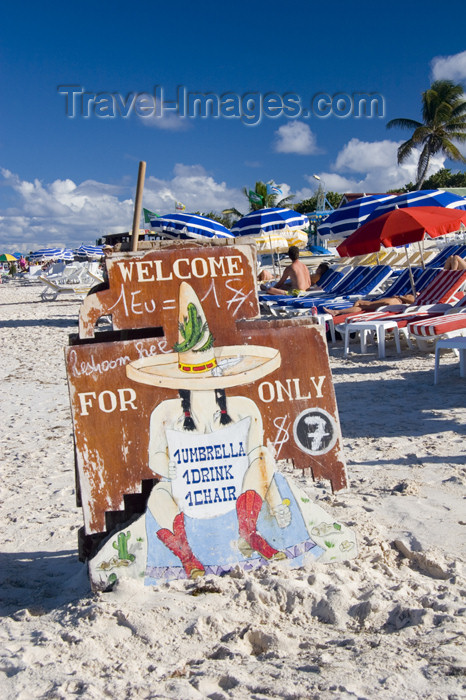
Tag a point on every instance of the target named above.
point(177, 434)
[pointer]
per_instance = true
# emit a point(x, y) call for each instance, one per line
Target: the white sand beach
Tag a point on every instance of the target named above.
point(389, 624)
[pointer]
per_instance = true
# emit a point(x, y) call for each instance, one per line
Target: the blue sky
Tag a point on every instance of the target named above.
point(67, 179)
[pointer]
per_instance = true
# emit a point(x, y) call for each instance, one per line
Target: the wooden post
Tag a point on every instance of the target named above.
point(138, 205)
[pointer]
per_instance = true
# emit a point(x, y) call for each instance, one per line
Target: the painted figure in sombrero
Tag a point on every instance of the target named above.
point(209, 454)
point(219, 501)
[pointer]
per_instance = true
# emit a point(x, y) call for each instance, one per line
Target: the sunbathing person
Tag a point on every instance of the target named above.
point(265, 276)
point(315, 277)
point(454, 262)
point(361, 306)
point(298, 275)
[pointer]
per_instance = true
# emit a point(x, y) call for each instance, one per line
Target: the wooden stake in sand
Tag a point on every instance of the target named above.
point(138, 205)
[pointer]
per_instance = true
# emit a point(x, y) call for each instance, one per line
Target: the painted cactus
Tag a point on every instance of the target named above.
point(121, 545)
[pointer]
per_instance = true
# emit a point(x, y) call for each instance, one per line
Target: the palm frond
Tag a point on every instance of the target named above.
point(402, 123)
point(421, 134)
point(405, 150)
point(285, 201)
point(451, 151)
point(459, 110)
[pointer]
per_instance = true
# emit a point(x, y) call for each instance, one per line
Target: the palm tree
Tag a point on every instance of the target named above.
point(444, 121)
point(265, 200)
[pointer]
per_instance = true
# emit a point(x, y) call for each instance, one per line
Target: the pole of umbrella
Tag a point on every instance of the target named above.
point(138, 205)
point(411, 278)
point(273, 257)
point(421, 251)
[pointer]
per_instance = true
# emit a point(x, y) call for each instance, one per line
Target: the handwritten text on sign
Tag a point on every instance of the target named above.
point(210, 468)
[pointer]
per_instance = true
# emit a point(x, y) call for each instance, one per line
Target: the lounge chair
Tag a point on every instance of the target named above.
point(359, 281)
point(441, 257)
point(32, 275)
point(444, 287)
point(456, 344)
point(52, 289)
point(437, 298)
point(449, 324)
point(77, 278)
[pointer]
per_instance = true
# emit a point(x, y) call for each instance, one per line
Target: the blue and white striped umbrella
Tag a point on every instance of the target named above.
point(420, 198)
point(344, 220)
point(185, 226)
point(67, 255)
point(273, 220)
point(92, 252)
point(46, 254)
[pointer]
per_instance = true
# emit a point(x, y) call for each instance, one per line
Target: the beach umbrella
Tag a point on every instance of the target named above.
point(344, 220)
point(272, 229)
point(272, 220)
point(420, 198)
point(45, 254)
point(6, 257)
point(92, 252)
point(188, 226)
point(400, 227)
point(269, 243)
point(67, 255)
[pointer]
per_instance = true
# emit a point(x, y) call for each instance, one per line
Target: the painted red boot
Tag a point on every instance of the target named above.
point(177, 543)
point(248, 507)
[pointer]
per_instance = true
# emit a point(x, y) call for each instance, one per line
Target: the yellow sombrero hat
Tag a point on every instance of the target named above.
point(196, 363)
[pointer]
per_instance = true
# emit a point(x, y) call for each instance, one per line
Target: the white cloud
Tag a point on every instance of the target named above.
point(295, 137)
point(361, 156)
point(449, 67)
point(373, 167)
point(168, 121)
point(363, 166)
point(195, 188)
point(63, 213)
point(330, 181)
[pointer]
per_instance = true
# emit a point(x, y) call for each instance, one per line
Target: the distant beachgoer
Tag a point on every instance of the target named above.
point(320, 270)
point(454, 262)
point(265, 276)
point(361, 306)
point(297, 273)
point(107, 253)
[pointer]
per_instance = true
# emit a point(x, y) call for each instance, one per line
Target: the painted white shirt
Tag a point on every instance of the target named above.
point(210, 468)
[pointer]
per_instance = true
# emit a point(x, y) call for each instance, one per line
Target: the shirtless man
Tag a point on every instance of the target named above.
point(297, 273)
point(362, 306)
point(454, 262)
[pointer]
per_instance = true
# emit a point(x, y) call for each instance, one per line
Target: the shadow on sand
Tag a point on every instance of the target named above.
point(64, 322)
point(41, 581)
point(406, 406)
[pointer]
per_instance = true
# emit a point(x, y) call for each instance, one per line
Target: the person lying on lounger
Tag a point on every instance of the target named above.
point(454, 262)
point(265, 276)
point(361, 306)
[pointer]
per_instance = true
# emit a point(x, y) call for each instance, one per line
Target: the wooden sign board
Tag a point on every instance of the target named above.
point(181, 414)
